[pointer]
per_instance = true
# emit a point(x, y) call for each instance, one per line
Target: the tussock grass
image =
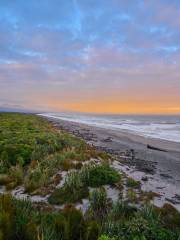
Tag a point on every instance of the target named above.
point(32, 151)
point(132, 183)
point(99, 204)
point(76, 183)
point(72, 191)
point(19, 219)
point(64, 196)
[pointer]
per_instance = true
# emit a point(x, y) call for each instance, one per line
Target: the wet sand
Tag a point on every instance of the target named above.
point(158, 171)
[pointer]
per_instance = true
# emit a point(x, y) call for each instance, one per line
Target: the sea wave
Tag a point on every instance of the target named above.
point(161, 127)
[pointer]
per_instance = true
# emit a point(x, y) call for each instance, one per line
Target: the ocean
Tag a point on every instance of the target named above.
point(166, 127)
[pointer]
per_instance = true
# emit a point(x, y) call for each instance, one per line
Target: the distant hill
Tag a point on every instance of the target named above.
point(14, 109)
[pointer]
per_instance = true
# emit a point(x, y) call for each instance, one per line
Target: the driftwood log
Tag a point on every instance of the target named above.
point(155, 148)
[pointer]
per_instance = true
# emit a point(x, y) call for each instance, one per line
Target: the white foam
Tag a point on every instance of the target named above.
point(162, 128)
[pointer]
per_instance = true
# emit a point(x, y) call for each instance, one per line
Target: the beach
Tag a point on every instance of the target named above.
point(80, 174)
point(157, 169)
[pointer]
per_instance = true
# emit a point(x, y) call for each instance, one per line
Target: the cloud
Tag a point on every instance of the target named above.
point(66, 53)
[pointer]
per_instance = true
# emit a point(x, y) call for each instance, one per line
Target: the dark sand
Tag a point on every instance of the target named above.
point(161, 168)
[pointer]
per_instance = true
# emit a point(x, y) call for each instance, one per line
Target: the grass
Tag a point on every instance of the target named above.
point(4, 179)
point(147, 196)
point(170, 217)
point(32, 151)
point(140, 197)
point(132, 196)
point(132, 183)
point(99, 204)
point(76, 183)
point(72, 191)
point(64, 196)
point(145, 223)
point(21, 220)
point(102, 175)
point(121, 209)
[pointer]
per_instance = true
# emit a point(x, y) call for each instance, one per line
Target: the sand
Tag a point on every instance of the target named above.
point(158, 171)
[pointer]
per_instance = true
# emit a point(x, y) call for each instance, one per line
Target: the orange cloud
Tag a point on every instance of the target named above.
point(112, 106)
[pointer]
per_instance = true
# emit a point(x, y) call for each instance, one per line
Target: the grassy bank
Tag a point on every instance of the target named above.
point(32, 151)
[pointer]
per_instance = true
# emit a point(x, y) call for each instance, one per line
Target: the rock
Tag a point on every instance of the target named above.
point(177, 197)
point(160, 188)
point(145, 178)
point(147, 169)
point(172, 201)
point(108, 139)
point(165, 175)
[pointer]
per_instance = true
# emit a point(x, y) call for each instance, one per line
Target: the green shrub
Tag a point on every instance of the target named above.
point(76, 183)
point(98, 175)
point(31, 153)
point(22, 220)
point(138, 226)
point(28, 139)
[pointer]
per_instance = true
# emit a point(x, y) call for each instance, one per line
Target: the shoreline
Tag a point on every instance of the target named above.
point(159, 169)
point(125, 133)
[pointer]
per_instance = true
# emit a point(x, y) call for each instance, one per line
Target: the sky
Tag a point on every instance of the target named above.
point(105, 56)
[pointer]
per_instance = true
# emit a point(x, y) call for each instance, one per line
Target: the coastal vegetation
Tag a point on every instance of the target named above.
point(133, 183)
point(53, 163)
point(32, 151)
point(76, 183)
point(19, 219)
